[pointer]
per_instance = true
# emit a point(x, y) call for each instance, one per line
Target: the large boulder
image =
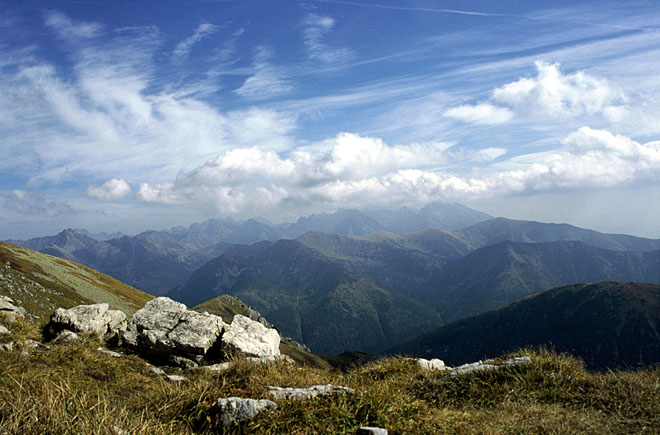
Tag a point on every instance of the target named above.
point(165, 327)
point(91, 319)
point(250, 338)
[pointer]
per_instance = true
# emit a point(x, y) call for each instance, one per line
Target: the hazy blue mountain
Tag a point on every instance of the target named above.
point(608, 324)
point(500, 229)
point(343, 221)
point(151, 267)
point(310, 297)
point(448, 216)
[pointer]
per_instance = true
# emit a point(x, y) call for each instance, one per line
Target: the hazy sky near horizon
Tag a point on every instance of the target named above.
point(124, 115)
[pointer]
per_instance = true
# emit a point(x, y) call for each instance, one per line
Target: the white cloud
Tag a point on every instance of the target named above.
point(183, 48)
point(111, 190)
point(483, 113)
point(69, 29)
point(267, 81)
point(561, 95)
point(316, 27)
point(31, 203)
point(351, 170)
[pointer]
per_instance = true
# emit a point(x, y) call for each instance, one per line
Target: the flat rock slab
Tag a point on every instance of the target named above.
point(167, 327)
point(88, 319)
point(235, 409)
point(176, 378)
point(251, 338)
point(108, 352)
point(489, 365)
point(280, 393)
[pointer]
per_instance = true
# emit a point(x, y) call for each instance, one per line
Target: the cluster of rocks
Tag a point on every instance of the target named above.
point(165, 330)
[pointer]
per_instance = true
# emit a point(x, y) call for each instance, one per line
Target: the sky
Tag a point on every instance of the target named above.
point(127, 116)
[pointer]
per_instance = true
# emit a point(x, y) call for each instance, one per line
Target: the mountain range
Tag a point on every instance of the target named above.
point(366, 292)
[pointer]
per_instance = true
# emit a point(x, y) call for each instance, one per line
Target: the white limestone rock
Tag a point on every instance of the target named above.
point(370, 430)
point(489, 365)
point(4, 331)
point(90, 319)
point(434, 364)
point(280, 393)
point(235, 409)
point(166, 327)
point(250, 338)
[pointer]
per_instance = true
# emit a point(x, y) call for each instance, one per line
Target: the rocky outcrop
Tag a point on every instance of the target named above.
point(250, 338)
point(279, 393)
point(9, 311)
point(164, 327)
point(232, 410)
point(89, 319)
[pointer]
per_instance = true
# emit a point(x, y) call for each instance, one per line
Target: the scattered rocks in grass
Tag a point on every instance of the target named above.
point(280, 393)
point(232, 410)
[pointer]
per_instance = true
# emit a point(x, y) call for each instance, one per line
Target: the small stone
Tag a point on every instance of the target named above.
point(176, 378)
point(4, 330)
point(108, 352)
point(31, 344)
point(66, 337)
point(434, 364)
point(182, 362)
point(370, 430)
point(279, 393)
point(156, 370)
point(220, 367)
point(7, 347)
point(236, 409)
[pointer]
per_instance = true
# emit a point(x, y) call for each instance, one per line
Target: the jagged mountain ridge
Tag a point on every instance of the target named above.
point(608, 324)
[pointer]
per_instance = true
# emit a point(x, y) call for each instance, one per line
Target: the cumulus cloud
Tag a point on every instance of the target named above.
point(25, 203)
point(111, 190)
point(183, 48)
point(360, 171)
point(483, 113)
point(315, 28)
point(557, 94)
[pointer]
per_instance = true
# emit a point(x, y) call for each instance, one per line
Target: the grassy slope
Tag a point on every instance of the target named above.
point(72, 388)
point(41, 283)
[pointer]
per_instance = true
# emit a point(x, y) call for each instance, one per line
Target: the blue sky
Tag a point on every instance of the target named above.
point(134, 115)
